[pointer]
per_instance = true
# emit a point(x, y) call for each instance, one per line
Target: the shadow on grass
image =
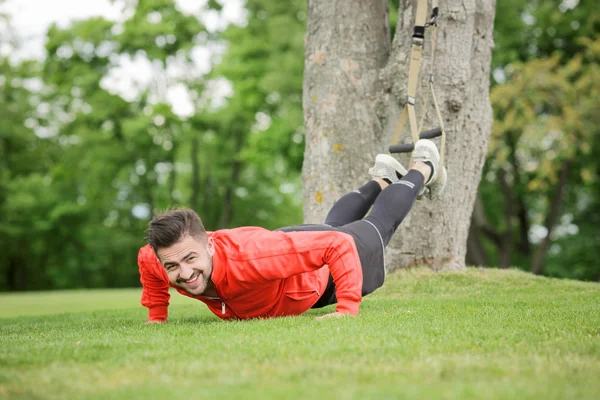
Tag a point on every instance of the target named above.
point(204, 320)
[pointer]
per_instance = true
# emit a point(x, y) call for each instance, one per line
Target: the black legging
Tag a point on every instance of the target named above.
point(390, 206)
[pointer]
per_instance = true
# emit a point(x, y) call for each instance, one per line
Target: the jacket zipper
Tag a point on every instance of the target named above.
point(223, 305)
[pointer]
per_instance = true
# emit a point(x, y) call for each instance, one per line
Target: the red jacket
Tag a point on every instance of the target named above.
point(262, 273)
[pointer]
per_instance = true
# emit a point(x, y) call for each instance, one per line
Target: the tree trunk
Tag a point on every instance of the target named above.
point(226, 212)
point(504, 249)
point(16, 275)
point(552, 218)
point(347, 44)
point(236, 168)
point(354, 90)
point(173, 175)
point(195, 195)
point(210, 195)
point(524, 246)
point(476, 254)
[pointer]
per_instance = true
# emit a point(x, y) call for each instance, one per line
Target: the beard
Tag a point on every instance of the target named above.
point(196, 285)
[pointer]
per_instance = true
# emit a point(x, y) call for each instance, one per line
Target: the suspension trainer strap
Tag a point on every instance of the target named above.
point(433, 25)
point(418, 41)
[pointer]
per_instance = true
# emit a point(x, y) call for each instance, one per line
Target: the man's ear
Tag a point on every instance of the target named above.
point(210, 246)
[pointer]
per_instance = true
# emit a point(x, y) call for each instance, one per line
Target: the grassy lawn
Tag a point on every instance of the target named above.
point(483, 334)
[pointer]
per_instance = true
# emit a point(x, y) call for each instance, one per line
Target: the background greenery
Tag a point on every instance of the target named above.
point(81, 167)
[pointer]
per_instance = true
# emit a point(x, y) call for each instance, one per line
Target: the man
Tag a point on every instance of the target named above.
point(252, 272)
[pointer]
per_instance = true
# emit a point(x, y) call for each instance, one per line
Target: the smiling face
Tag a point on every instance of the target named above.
point(188, 263)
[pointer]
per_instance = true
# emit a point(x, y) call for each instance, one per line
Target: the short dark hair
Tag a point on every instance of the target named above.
point(169, 227)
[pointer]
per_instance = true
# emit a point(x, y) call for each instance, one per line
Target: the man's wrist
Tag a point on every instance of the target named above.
point(156, 321)
point(349, 307)
point(158, 313)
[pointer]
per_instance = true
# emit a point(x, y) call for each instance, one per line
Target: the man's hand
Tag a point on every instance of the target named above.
point(333, 315)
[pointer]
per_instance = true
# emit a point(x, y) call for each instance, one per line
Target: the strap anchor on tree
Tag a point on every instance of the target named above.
point(418, 41)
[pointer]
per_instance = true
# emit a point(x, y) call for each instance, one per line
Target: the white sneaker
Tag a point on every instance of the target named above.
point(427, 151)
point(387, 167)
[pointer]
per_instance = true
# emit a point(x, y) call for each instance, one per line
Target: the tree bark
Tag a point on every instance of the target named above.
point(346, 45)
point(354, 90)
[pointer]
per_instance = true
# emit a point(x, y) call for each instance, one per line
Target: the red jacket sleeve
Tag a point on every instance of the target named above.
point(270, 255)
point(155, 283)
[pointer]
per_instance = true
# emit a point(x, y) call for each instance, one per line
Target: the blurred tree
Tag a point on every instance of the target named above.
point(121, 155)
point(79, 220)
point(542, 155)
point(260, 129)
point(27, 196)
point(82, 167)
point(527, 29)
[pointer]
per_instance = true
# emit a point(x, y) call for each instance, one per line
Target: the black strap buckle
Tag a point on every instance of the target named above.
point(419, 32)
point(434, 18)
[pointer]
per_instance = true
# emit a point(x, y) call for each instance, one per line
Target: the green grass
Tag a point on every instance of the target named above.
point(479, 334)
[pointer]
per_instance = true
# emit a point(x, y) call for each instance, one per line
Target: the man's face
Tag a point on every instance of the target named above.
point(189, 263)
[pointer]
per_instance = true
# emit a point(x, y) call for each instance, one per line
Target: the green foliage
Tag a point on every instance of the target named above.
point(549, 109)
point(82, 167)
point(267, 78)
point(159, 30)
point(542, 167)
point(528, 29)
point(479, 334)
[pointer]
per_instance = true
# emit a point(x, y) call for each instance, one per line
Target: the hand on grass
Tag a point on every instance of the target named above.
point(332, 315)
point(156, 322)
